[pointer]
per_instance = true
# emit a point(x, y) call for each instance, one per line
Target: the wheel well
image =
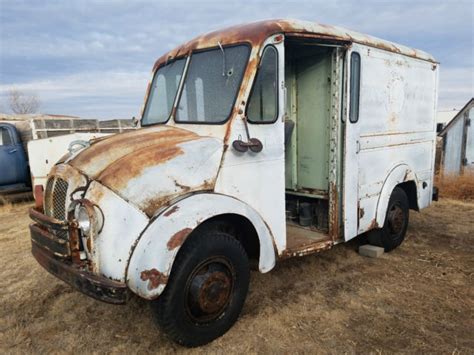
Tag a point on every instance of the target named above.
point(410, 189)
point(239, 227)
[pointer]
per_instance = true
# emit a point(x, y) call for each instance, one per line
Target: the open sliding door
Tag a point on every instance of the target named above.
point(351, 143)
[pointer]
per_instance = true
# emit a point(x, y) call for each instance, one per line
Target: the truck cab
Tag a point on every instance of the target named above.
point(13, 161)
point(258, 143)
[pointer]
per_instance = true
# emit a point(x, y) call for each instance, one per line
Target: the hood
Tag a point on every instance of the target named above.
point(151, 166)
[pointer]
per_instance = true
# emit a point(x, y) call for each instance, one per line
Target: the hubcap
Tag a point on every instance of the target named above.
point(209, 289)
point(396, 219)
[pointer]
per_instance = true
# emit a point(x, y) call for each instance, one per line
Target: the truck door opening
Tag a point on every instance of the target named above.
point(309, 86)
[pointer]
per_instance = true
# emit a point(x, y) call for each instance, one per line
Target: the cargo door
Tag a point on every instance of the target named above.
point(351, 143)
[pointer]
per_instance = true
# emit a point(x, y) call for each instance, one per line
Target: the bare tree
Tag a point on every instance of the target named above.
point(21, 103)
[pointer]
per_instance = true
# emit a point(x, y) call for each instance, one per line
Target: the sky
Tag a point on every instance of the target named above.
point(93, 58)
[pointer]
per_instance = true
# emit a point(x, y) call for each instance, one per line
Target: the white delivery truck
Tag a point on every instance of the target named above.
point(259, 142)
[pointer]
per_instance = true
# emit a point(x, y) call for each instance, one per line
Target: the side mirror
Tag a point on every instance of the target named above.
point(254, 144)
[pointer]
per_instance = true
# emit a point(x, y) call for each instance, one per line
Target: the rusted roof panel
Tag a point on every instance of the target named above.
point(256, 32)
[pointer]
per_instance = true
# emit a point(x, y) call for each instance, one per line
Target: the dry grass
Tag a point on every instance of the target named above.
point(5, 206)
point(456, 187)
point(417, 299)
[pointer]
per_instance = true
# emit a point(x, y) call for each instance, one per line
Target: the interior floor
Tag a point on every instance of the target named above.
point(301, 241)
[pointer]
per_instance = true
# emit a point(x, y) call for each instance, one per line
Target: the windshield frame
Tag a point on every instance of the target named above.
point(177, 94)
point(184, 75)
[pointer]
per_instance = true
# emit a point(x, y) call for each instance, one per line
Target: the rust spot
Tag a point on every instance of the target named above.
point(171, 211)
point(178, 238)
point(39, 197)
point(125, 147)
point(96, 195)
point(154, 278)
point(152, 205)
point(333, 212)
point(184, 188)
point(118, 174)
point(89, 244)
point(207, 185)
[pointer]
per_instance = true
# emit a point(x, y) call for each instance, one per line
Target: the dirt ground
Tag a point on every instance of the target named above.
point(419, 298)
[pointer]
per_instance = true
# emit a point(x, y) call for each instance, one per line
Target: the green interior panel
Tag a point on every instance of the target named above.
point(308, 81)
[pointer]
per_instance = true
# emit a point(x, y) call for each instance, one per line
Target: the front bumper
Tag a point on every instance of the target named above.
point(59, 256)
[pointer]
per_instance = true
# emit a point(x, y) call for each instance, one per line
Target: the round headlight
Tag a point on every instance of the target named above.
point(83, 219)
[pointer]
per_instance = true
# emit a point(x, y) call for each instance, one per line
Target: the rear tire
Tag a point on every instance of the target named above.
point(393, 232)
point(206, 289)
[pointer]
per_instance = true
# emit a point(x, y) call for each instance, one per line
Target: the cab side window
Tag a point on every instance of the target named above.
point(5, 138)
point(263, 102)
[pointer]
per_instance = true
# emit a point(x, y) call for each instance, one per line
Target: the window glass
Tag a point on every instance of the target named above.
point(163, 92)
point(354, 88)
point(263, 102)
point(5, 138)
point(211, 84)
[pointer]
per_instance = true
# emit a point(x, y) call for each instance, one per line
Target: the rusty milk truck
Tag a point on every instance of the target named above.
point(258, 142)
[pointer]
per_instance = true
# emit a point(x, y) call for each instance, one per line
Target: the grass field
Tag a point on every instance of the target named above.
point(419, 298)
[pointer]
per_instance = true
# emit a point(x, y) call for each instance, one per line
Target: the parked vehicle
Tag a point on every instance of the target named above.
point(30, 146)
point(259, 142)
point(14, 177)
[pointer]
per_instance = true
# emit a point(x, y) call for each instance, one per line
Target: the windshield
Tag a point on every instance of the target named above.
point(163, 93)
point(211, 84)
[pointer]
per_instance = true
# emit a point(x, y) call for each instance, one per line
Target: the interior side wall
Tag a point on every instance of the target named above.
point(308, 81)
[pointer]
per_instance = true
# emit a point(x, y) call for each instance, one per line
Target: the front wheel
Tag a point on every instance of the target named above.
point(206, 290)
point(392, 234)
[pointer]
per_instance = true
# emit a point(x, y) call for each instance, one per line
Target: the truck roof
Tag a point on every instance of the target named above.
point(256, 32)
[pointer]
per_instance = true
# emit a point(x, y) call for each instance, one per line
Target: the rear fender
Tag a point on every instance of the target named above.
point(152, 259)
point(399, 174)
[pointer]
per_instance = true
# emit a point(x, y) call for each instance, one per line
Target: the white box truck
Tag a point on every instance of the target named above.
point(259, 142)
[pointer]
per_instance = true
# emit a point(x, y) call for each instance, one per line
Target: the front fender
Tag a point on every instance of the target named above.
point(152, 259)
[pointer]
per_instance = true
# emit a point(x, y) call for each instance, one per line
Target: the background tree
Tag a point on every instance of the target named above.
point(22, 103)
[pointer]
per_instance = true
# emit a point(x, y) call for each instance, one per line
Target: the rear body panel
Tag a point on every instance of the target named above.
point(396, 130)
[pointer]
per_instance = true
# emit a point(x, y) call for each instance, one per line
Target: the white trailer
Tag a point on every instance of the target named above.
point(45, 139)
point(259, 142)
point(44, 153)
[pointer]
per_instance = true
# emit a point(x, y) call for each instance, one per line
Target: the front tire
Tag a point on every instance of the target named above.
point(206, 289)
point(393, 232)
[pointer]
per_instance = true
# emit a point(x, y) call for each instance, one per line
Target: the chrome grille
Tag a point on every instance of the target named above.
point(55, 200)
point(59, 199)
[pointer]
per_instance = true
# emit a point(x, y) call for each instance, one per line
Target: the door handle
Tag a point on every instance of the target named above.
point(12, 151)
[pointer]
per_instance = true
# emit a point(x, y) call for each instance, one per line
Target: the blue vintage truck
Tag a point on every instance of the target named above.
point(15, 181)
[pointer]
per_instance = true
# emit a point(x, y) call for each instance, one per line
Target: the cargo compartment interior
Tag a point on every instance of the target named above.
point(308, 94)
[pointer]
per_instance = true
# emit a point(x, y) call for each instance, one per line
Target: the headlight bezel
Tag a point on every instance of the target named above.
point(88, 216)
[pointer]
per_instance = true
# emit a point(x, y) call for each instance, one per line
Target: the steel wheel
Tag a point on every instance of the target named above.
point(209, 289)
point(206, 288)
point(392, 234)
point(396, 219)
